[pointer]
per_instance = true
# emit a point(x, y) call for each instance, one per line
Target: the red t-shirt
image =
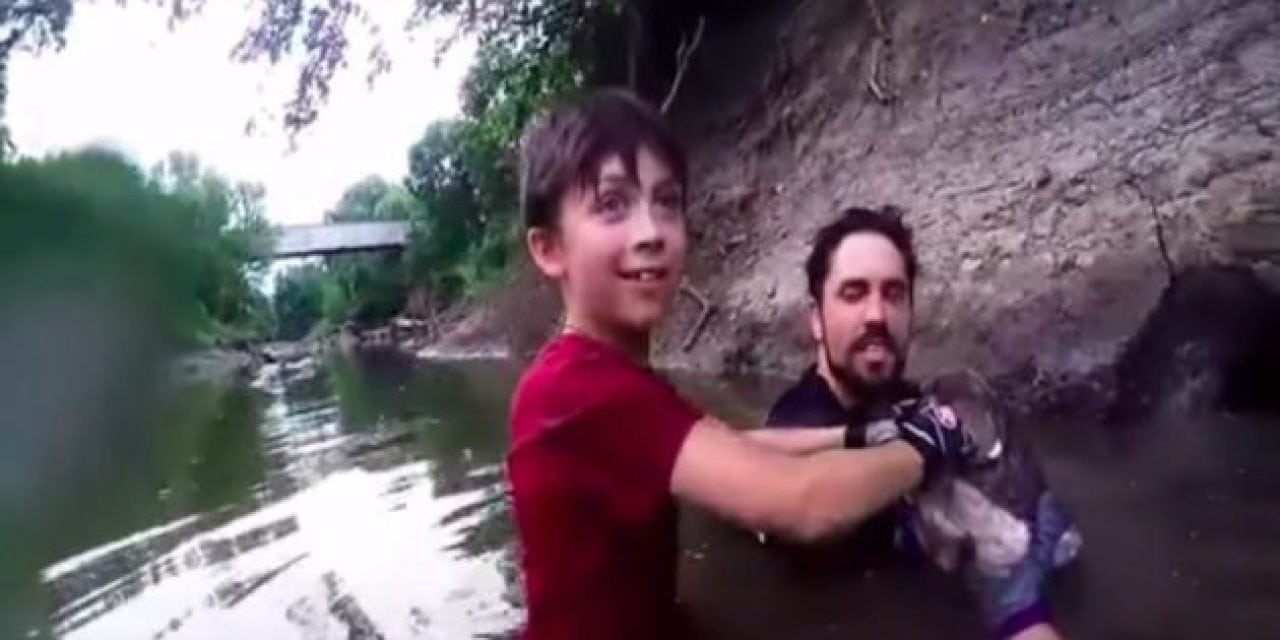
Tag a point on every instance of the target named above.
point(594, 438)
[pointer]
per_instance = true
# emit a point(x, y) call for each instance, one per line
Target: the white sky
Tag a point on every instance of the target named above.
point(125, 79)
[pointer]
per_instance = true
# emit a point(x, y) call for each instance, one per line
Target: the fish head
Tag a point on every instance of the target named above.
point(979, 411)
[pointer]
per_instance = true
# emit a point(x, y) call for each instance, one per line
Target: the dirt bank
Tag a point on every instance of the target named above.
point(1059, 161)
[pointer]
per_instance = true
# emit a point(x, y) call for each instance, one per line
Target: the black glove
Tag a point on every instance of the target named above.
point(934, 431)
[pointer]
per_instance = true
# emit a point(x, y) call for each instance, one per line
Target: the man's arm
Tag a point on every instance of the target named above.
point(798, 441)
point(804, 498)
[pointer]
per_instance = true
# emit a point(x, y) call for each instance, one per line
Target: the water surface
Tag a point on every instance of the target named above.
point(361, 497)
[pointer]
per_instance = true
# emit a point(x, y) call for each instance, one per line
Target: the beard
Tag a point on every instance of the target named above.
point(871, 390)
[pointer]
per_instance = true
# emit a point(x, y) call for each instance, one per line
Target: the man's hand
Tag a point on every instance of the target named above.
point(932, 429)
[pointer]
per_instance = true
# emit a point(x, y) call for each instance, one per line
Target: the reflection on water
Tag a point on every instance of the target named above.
point(363, 498)
point(377, 511)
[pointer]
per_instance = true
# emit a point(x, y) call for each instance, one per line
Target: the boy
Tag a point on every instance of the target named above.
point(601, 445)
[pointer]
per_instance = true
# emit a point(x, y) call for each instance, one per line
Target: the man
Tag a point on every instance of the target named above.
point(861, 274)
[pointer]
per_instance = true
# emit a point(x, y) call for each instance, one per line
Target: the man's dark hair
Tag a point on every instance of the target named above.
point(886, 221)
point(564, 147)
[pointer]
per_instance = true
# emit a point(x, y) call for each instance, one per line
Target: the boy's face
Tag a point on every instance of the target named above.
point(619, 249)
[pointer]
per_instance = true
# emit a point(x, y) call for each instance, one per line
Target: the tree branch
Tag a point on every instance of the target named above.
point(683, 53)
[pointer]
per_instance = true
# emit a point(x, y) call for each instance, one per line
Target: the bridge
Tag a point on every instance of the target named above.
point(339, 237)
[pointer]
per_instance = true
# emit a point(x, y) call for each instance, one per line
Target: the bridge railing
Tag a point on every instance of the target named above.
point(339, 237)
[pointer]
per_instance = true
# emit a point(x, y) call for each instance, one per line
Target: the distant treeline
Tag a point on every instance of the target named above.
point(177, 247)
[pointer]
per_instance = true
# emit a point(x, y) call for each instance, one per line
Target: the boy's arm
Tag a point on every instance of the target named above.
point(798, 441)
point(805, 498)
point(1042, 631)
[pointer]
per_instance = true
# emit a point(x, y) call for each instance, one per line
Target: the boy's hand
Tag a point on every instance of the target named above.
point(932, 429)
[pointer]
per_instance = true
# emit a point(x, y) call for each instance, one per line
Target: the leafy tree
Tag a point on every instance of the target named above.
point(361, 202)
point(232, 238)
point(611, 41)
point(452, 218)
point(187, 250)
point(464, 171)
point(366, 288)
point(33, 24)
point(298, 301)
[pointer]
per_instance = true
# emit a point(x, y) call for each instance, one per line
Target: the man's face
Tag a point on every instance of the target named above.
point(863, 323)
point(619, 249)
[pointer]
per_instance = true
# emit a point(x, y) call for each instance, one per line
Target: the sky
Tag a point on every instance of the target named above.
point(129, 81)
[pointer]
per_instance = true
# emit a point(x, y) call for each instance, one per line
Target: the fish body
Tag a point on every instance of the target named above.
point(996, 514)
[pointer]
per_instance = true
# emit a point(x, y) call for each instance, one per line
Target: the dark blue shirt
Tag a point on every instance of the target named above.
point(810, 403)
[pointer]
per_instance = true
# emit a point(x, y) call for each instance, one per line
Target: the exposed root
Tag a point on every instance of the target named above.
point(705, 315)
point(877, 18)
point(875, 74)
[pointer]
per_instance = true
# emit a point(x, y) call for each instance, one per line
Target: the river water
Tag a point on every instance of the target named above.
point(361, 497)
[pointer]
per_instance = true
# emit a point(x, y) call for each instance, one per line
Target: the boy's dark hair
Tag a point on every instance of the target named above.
point(886, 221)
point(564, 147)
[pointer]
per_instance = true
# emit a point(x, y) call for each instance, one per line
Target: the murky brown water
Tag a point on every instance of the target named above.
point(1181, 523)
point(365, 501)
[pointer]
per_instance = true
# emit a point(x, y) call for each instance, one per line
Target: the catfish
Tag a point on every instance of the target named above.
point(988, 515)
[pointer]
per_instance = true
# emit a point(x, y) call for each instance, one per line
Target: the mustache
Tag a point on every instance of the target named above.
point(876, 334)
